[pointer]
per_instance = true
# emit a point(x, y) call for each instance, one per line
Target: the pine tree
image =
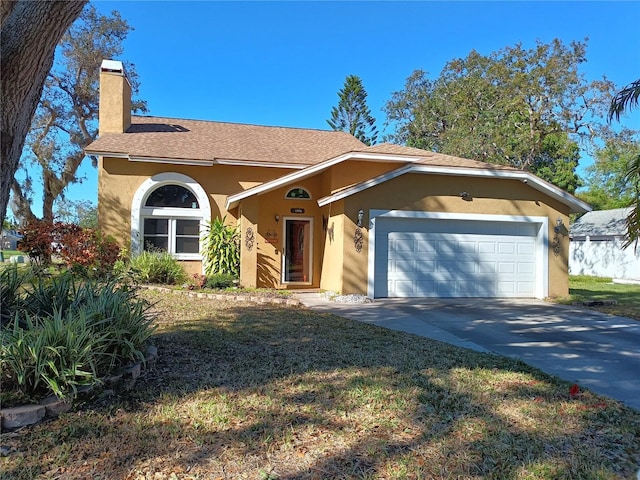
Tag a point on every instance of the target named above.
point(352, 113)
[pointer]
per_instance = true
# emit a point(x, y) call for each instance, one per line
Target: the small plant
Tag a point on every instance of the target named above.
point(157, 267)
point(221, 248)
point(220, 280)
point(88, 252)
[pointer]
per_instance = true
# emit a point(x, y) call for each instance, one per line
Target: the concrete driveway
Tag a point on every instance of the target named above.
point(594, 350)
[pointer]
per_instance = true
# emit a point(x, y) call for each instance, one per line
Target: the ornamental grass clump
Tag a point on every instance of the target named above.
point(59, 334)
point(156, 267)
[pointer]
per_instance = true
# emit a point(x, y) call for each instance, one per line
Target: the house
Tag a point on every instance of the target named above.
point(320, 209)
point(597, 246)
point(9, 240)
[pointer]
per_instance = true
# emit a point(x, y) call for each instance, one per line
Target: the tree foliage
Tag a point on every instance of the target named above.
point(66, 117)
point(606, 183)
point(30, 33)
point(528, 108)
point(625, 99)
point(352, 113)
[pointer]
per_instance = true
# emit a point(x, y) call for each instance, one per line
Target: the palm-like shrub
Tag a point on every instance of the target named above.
point(221, 243)
point(58, 334)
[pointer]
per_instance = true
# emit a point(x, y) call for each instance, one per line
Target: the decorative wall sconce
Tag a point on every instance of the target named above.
point(558, 229)
point(558, 226)
point(360, 217)
point(466, 196)
point(277, 217)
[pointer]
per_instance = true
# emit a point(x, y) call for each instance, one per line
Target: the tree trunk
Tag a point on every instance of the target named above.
point(30, 32)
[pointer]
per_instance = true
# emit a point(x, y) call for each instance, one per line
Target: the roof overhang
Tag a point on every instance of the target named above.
point(234, 200)
point(575, 204)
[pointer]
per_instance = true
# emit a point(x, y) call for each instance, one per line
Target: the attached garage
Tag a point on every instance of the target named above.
point(427, 254)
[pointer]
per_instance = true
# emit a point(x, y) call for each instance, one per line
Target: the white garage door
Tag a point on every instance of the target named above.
point(452, 258)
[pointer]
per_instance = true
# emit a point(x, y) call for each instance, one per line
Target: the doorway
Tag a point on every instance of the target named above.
point(297, 258)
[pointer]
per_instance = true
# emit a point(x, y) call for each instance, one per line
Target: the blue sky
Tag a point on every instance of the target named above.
point(283, 63)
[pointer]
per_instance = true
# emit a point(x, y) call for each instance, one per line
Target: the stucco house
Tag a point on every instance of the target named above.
point(320, 209)
point(597, 246)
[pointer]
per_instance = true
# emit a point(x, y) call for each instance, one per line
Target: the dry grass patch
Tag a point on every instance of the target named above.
point(263, 392)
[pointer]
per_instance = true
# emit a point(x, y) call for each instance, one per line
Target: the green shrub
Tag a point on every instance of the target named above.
point(157, 267)
point(221, 245)
point(60, 334)
point(53, 354)
point(11, 280)
point(220, 280)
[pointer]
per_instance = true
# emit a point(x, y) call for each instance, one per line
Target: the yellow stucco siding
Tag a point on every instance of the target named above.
point(115, 103)
point(333, 254)
point(352, 172)
point(271, 233)
point(441, 193)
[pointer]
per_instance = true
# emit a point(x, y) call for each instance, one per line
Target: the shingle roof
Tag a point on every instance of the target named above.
point(602, 223)
point(432, 158)
point(172, 138)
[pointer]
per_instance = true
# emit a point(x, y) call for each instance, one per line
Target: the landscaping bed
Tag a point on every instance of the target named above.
point(272, 392)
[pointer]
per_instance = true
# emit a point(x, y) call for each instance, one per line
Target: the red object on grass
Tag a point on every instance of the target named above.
point(574, 390)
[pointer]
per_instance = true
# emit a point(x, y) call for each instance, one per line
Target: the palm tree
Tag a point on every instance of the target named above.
point(625, 99)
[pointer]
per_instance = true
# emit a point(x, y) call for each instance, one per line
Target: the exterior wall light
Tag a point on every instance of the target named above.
point(277, 217)
point(360, 217)
point(465, 196)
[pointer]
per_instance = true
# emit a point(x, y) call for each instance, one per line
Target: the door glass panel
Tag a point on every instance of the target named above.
point(297, 261)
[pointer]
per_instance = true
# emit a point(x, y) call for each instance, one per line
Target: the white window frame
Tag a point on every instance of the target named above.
point(139, 211)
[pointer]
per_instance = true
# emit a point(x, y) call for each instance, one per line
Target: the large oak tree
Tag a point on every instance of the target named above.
point(528, 108)
point(66, 119)
point(30, 32)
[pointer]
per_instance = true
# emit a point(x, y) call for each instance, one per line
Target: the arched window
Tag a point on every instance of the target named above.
point(172, 196)
point(168, 213)
point(298, 193)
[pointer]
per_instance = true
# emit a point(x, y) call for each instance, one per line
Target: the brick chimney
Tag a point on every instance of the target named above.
point(114, 114)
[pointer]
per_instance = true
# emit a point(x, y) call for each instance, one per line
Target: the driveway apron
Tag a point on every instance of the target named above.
point(597, 351)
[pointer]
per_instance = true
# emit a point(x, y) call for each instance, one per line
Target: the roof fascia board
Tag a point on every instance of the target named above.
point(234, 200)
point(525, 177)
point(106, 154)
point(245, 163)
point(173, 161)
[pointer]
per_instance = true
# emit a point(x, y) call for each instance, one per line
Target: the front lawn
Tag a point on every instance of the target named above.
point(626, 297)
point(268, 392)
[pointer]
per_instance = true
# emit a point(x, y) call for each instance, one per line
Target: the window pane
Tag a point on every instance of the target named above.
point(298, 193)
point(172, 196)
point(188, 227)
point(156, 243)
point(156, 226)
point(187, 245)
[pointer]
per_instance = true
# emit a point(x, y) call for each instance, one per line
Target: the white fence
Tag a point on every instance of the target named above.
point(604, 258)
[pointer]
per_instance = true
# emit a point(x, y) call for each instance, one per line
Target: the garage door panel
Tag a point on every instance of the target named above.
point(492, 259)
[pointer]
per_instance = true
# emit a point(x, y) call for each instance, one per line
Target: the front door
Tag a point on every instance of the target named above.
point(297, 258)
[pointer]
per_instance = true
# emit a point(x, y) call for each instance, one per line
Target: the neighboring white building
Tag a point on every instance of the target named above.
point(596, 247)
point(9, 240)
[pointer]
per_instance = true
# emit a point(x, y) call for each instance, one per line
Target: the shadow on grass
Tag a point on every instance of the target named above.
point(283, 393)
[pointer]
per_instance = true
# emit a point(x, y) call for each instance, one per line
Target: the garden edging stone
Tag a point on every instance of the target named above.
point(254, 299)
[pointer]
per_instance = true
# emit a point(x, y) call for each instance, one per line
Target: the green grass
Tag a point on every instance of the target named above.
point(627, 297)
point(286, 393)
